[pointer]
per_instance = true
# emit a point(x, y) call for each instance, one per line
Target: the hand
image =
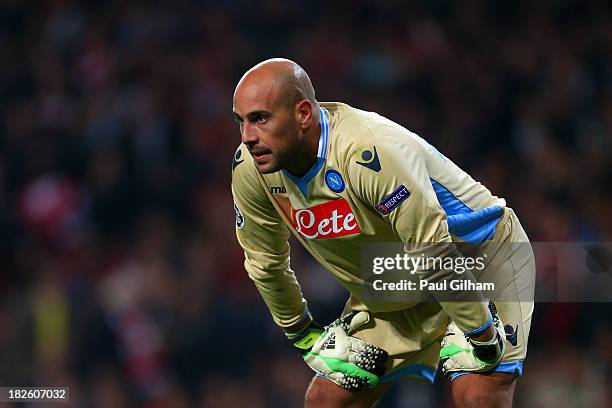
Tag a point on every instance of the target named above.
point(462, 353)
point(347, 361)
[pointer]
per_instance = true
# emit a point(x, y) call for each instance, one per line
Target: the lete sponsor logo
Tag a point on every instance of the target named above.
point(328, 220)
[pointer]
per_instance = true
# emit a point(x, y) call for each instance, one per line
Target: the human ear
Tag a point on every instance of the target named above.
point(303, 110)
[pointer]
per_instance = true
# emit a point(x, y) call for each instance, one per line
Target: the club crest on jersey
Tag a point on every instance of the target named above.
point(239, 217)
point(334, 181)
point(328, 220)
point(393, 200)
point(369, 159)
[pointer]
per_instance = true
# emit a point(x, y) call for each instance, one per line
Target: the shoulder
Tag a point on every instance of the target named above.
point(244, 172)
point(355, 128)
point(367, 140)
point(240, 155)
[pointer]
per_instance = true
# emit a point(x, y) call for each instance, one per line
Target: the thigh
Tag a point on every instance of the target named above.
point(515, 302)
point(411, 337)
point(512, 269)
point(492, 390)
point(323, 393)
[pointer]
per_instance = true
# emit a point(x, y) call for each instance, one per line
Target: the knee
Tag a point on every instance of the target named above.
point(315, 395)
point(322, 393)
point(478, 398)
point(484, 391)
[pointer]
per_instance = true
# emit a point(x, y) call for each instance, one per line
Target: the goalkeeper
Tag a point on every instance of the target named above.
point(338, 178)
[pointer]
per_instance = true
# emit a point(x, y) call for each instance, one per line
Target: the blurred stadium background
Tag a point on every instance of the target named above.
point(120, 274)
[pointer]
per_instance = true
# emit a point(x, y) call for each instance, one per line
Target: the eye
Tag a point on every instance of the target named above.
point(261, 119)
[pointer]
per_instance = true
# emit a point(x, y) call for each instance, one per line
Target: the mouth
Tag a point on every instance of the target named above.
point(261, 156)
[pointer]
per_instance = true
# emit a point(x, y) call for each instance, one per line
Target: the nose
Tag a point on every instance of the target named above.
point(249, 133)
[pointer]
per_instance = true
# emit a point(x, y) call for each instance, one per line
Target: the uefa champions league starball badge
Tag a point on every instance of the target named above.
point(239, 217)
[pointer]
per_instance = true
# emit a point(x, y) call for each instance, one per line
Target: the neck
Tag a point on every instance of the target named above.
point(306, 156)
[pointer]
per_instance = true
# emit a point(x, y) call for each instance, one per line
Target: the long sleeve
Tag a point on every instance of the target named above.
point(391, 176)
point(264, 238)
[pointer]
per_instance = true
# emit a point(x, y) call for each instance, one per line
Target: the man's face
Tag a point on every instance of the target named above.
point(269, 128)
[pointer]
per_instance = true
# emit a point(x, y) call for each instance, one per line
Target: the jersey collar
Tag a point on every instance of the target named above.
point(324, 138)
point(302, 183)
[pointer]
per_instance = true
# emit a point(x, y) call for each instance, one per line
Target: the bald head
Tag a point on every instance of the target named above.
point(278, 80)
point(275, 107)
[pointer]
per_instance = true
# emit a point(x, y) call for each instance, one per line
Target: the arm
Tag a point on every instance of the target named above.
point(418, 219)
point(264, 238)
point(331, 352)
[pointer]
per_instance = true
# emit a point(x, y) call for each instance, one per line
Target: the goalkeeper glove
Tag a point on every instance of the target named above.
point(460, 353)
point(332, 353)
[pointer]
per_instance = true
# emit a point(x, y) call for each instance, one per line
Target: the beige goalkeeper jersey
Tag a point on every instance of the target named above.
point(373, 181)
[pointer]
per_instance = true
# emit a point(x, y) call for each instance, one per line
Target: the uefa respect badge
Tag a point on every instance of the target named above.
point(393, 200)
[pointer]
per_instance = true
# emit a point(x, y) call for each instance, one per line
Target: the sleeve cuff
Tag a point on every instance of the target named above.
point(306, 317)
point(480, 329)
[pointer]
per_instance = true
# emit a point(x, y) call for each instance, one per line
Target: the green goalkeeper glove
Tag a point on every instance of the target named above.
point(332, 353)
point(460, 353)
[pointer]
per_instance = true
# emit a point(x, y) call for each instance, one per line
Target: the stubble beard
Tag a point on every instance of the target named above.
point(283, 158)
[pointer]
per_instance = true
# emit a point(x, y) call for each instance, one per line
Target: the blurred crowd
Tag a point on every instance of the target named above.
point(120, 274)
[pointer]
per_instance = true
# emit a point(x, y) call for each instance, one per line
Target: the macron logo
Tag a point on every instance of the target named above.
point(278, 190)
point(511, 334)
point(393, 200)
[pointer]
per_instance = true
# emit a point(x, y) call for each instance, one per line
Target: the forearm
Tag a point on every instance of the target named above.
point(282, 295)
point(468, 309)
point(299, 326)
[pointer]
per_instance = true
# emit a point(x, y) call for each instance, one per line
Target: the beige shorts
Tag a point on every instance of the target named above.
point(412, 337)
